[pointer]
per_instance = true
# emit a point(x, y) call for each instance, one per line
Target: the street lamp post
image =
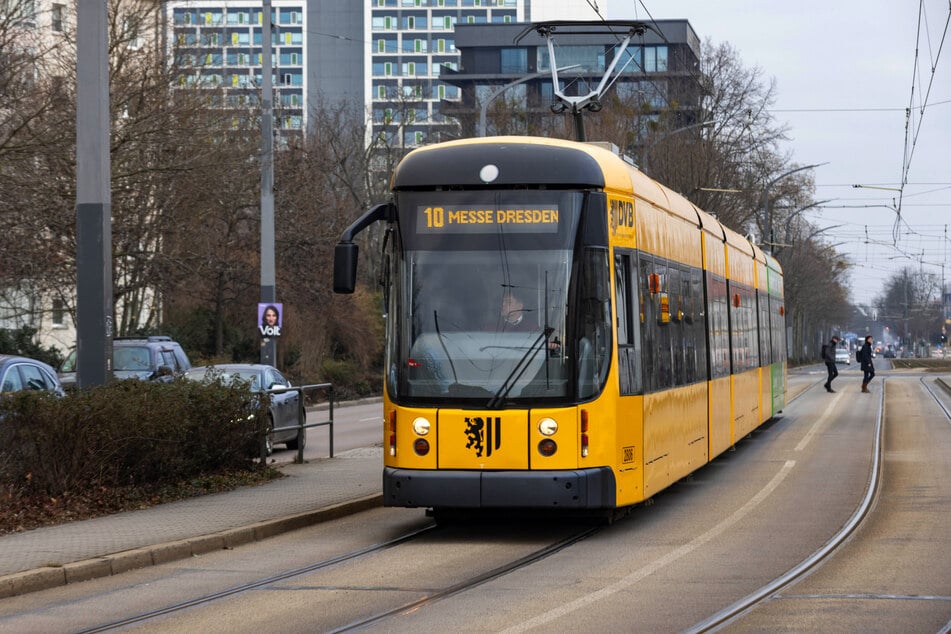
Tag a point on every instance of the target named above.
point(268, 276)
point(94, 297)
point(768, 229)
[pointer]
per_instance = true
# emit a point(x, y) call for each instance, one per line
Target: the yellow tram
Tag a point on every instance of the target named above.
point(563, 332)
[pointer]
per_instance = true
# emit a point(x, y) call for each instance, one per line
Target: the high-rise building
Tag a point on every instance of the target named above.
point(412, 44)
point(220, 46)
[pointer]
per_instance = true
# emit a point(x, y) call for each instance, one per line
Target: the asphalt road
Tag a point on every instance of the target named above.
point(711, 539)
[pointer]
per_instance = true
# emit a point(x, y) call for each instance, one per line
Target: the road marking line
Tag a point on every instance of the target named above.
point(674, 555)
point(819, 422)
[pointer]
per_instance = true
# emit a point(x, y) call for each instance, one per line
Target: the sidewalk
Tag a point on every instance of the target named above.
point(311, 493)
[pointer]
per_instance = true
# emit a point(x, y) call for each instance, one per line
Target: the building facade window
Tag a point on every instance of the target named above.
point(514, 60)
point(57, 17)
point(58, 314)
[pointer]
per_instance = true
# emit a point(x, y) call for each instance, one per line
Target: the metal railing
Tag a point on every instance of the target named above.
point(302, 425)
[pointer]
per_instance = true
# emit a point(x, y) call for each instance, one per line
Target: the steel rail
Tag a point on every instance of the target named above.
point(944, 408)
point(474, 582)
point(259, 583)
point(814, 561)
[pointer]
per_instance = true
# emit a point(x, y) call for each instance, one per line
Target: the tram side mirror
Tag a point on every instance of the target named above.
point(345, 267)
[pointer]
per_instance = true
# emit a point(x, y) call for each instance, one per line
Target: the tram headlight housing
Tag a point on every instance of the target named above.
point(421, 426)
point(421, 446)
point(547, 427)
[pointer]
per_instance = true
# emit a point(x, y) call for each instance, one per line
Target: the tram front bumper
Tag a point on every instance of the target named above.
point(570, 489)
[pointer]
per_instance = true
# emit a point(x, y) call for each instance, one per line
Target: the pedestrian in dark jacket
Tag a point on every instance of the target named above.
point(828, 355)
point(865, 358)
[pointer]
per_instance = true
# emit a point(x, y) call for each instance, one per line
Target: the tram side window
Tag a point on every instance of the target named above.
point(742, 322)
point(682, 331)
point(628, 323)
point(594, 342)
point(762, 304)
point(675, 328)
point(719, 326)
point(695, 337)
point(778, 328)
point(655, 304)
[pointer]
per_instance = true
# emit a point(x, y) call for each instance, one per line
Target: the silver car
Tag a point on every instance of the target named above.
point(842, 355)
point(286, 408)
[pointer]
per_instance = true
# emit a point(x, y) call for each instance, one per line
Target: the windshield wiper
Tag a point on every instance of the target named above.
point(444, 349)
point(520, 367)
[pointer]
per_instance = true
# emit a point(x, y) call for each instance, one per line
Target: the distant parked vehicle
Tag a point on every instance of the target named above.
point(23, 373)
point(154, 358)
point(285, 407)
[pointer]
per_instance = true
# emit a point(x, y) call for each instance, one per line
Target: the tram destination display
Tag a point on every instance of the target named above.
point(485, 219)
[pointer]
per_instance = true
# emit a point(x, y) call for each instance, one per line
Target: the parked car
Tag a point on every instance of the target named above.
point(842, 356)
point(22, 373)
point(285, 407)
point(154, 358)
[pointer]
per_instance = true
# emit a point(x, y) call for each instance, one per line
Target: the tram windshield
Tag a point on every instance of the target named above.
point(481, 298)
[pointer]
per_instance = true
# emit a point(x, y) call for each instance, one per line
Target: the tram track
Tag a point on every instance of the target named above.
point(769, 590)
point(945, 389)
point(429, 597)
point(263, 582)
point(473, 582)
point(459, 586)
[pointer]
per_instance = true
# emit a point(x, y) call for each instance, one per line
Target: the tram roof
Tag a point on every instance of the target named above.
point(519, 161)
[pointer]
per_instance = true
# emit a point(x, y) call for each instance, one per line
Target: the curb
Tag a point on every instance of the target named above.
point(53, 576)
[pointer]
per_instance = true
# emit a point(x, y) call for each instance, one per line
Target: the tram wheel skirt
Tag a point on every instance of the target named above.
point(570, 489)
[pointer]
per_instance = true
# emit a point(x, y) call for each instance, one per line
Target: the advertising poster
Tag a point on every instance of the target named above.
point(269, 319)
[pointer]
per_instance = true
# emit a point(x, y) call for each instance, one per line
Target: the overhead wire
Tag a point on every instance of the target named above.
point(911, 135)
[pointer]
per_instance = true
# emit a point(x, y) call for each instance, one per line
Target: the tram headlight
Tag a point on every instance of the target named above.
point(547, 447)
point(547, 427)
point(421, 426)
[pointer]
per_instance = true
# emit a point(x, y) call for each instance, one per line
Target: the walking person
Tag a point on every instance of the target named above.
point(865, 358)
point(828, 355)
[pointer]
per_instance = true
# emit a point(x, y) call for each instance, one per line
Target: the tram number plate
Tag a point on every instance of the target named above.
point(628, 454)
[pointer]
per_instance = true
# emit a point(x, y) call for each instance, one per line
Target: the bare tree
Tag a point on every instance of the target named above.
point(911, 303)
point(324, 184)
point(34, 161)
point(815, 291)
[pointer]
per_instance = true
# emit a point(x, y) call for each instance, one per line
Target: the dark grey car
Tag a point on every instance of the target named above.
point(153, 358)
point(285, 407)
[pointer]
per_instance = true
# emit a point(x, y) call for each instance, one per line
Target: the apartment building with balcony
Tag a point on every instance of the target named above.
point(221, 46)
point(412, 44)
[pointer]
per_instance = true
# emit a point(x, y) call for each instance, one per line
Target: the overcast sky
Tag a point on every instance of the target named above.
point(845, 71)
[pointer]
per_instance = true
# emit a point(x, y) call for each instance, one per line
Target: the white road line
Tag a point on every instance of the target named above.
point(819, 422)
point(671, 557)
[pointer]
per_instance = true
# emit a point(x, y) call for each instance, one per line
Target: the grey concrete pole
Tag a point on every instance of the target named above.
point(94, 326)
point(268, 277)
